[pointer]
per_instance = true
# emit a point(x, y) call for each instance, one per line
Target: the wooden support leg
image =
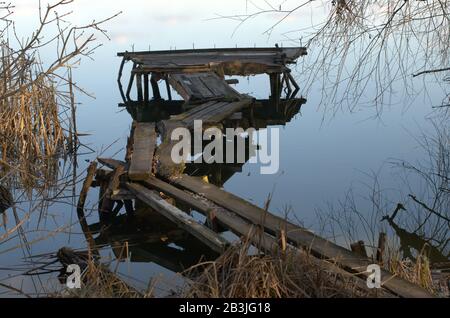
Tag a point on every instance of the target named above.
point(117, 208)
point(169, 93)
point(139, 87)
point(288, 89)
point(155, 88)
point(146, 91)
point(294, 83)
point(130, 84)
point(129, 207)
point(275, 85)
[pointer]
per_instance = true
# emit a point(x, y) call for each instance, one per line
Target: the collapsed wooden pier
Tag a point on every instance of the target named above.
point(149, 176)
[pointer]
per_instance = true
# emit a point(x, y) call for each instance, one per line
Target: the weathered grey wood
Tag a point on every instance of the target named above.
point(239, 61)
point(143, 151)
point(202, 86)
point(209, 113)
point(182, 219)
point(297, 236)
point(226, 111)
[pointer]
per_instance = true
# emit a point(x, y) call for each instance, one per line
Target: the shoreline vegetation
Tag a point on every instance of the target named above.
point(243, 272)
point(38, 127)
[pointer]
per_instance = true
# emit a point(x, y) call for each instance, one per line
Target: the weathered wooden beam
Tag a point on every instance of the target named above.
point(297, 236)
point(182, 219)
point(143, 150)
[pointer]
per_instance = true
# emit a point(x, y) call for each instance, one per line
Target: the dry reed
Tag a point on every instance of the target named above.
point(240, 274)
point(31, 135)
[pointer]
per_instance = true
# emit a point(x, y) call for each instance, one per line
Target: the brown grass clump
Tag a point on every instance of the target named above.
point(97, 280)
point(239, 274)
point(417, 272)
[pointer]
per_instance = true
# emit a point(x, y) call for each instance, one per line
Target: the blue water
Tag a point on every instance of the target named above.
point(321, 156)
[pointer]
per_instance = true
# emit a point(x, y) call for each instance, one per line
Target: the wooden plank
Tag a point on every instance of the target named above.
point(297, 236)
point(182, 219)
point(202, 86)
point(227, 111)
point(210, 112)
point(143, 151)
point(193, 110)
point(110, 163)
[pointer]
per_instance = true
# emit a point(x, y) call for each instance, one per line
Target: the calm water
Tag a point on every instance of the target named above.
point(321, 157)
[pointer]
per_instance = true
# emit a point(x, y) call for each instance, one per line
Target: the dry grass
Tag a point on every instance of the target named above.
point(97, 280)
point(417, 272)
point(31, 135)
point(239, 274)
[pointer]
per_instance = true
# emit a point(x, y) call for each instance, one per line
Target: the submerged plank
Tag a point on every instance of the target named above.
point(182, 219)
point(143, 151)
point(297, 236)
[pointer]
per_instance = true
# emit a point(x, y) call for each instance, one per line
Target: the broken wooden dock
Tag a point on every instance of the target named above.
point(148, 174)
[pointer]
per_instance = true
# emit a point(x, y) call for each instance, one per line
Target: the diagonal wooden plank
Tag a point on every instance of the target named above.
point(182, 219)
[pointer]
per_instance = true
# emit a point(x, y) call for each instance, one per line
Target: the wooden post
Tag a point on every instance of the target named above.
point(169, 92)
point(381, 247)
point(139, 87)
point(155, 88)
point(146, 91)
point(359, 248)
point(80, 207)
point(130, 83)
point(275, 87)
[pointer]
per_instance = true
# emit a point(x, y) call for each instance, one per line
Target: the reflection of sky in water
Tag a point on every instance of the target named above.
point(319, 160)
